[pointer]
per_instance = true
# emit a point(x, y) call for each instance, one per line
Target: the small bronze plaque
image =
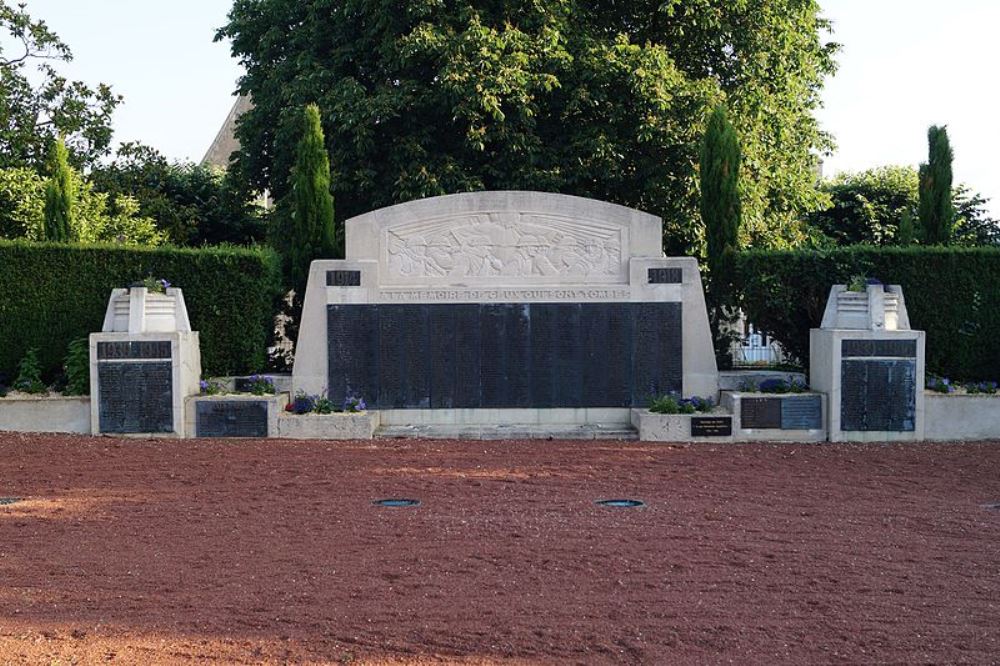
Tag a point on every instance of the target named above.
point(764, 413)
point(711, 426)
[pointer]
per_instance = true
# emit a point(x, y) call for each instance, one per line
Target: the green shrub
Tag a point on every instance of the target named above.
point(29, 374)
point(951, 293)
point(53, 293)
point(77, 368)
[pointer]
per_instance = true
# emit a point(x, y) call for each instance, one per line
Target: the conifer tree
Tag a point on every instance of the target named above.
point(311, 234)
point(936, 212)
point(904, 235)
point(720, 197)
point(60, 195)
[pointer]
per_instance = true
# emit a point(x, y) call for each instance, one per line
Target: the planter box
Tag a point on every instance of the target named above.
point(45, 414)
point(782, 417)
point(962, 416)
point(710, 427)
point(237, 415)
point(340, 426)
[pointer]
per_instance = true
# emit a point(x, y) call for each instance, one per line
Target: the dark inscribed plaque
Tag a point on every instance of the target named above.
point(441, 355)
point(657, 352)
point(343, 278)
point(353, 352)
point(135, 397)
point(878, 395)
point(518, 357)
point(232, 418)
point(606, 334)
point(763, 413)
point(711, 426)
point(665, 276)
point(133, 350)
point(404, 369)
point(466, 357)
point(886, 348)
point(802, 413)
point(565, 366)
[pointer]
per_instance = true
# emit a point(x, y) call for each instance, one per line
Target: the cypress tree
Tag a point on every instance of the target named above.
point(311, 234)
point(60, 195)
point(904, 235)
point(720, 198)
point(936, 212)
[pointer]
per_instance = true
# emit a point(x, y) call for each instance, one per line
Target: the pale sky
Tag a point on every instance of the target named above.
point(905, 65)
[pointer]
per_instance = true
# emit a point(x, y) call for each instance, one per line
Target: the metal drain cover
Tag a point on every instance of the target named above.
point(621, 503)
point(6, 501)
point(397, 502)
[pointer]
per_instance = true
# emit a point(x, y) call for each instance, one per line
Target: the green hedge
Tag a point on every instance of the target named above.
point(52, 293)
point(952, 293)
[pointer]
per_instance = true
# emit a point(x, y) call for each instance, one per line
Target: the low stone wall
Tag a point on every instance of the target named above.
point(45, 414)
point(338, 426)
point(681, 427)
point(957, 417)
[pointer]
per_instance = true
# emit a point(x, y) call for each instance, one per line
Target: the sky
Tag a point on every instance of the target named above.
point(905, 65)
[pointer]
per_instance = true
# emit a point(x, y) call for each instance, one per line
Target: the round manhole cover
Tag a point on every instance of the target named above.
point(5, 501)
point(397, 502)
point(623, 503)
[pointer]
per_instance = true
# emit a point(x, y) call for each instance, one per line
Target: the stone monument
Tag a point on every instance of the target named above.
point(494, 308)
point(870, 364)
point(143, 364)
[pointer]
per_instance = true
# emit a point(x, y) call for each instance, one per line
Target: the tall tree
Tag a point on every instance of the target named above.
point(605, 99)
point(311, 233)
point(720, 179)
point(37, 105)
point(937, 214)
point(60, 196)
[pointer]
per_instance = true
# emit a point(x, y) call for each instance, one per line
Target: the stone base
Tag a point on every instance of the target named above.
point(594, 417)
point(733, 401)
point(273, 404)
point(338, 426)
point(961, 417)
point(510, 431)
point(45, 414)
point(674, 427)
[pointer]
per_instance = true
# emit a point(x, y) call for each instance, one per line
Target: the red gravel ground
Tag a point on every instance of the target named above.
point(271, 551)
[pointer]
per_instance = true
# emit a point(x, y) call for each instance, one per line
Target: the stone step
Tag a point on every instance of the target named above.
point(512, 431)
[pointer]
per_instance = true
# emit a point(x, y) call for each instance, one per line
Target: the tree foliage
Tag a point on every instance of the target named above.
point(720, 180)
point(191, 204)
point(869, 207)
point(602, 99)
point(309, 228)
point(37, 105)
point(60, 196)
point(937, 213)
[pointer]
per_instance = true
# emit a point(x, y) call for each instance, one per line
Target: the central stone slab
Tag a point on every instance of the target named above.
point(505, 307)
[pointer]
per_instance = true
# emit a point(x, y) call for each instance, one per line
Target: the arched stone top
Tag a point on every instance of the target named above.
point(490, 238)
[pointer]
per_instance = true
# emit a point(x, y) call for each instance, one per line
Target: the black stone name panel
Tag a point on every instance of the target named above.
point(762, 413)
point(878, 395)
point(231, 418)
point(343, 278)
point(803, 412)
point(133, 350)
point(508, 355)
point(665, 276)
point(711, 426)
point(885, 348)
point(135, 397)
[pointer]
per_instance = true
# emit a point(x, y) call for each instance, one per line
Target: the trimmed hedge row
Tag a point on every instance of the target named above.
point(52, 293)
point(952, 293)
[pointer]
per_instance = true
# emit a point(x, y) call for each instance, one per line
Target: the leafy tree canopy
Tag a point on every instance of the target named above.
point(604, 99)
point(192, 204)
point(867, 207)
point(37, 105)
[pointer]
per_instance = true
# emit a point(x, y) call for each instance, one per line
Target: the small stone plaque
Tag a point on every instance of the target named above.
point(232, 418)
point(711, 426)
point(133, 350)
point(884, 348)
point(343, 278)
point(802, 413)
point(665, 276)
point(763, 413)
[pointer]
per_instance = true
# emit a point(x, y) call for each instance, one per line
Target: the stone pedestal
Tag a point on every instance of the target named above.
point(143, 365)
point(870, 364)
